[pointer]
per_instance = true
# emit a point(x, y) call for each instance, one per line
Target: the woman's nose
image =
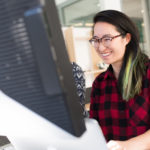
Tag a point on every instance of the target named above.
point(101, 47)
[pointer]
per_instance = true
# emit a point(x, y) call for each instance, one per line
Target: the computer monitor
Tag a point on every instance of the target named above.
point(34, 66)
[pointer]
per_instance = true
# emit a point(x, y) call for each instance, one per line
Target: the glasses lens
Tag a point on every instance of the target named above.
point(106, 41)
point(94, 42)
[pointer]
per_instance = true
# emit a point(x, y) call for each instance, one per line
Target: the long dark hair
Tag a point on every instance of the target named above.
point(133, 67)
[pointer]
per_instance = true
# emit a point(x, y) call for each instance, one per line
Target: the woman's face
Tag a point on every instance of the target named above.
point(113, 52)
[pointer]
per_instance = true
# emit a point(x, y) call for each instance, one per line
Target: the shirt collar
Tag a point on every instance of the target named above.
point(109, 72)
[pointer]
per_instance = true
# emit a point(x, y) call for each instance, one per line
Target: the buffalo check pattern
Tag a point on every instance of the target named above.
point(118, 119)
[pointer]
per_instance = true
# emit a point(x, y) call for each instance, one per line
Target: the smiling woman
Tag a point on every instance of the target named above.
point(112, 47)
point(78, 24)
point(121, 94)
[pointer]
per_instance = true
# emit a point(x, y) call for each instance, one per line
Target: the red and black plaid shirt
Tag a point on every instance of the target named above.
point(120, 120)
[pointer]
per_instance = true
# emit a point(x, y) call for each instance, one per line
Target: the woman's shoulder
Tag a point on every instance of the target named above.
point(101, 77)
point(104, 75)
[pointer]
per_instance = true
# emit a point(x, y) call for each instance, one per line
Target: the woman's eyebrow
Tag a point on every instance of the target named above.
point(95, 37)
point(105, 35)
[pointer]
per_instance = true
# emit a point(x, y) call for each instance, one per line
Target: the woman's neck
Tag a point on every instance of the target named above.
point(116, 69)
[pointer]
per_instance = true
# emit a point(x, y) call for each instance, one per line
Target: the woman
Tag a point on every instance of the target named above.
point(120, 99)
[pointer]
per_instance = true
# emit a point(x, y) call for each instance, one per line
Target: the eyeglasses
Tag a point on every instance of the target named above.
point(106, 41)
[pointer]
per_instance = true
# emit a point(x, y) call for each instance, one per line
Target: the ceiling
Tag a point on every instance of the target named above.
point(74, 12)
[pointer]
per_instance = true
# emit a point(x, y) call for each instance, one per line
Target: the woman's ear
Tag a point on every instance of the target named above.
point(128, 38)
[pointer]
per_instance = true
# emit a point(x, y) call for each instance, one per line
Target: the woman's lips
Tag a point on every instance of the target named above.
point(105, 54)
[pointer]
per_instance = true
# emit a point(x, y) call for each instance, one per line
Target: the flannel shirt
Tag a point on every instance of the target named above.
point(120, 119)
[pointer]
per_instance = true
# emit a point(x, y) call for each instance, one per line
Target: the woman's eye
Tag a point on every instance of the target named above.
point(107, 39)
point(96, 40)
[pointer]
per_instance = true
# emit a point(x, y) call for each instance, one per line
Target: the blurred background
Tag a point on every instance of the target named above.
point(76, 21)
